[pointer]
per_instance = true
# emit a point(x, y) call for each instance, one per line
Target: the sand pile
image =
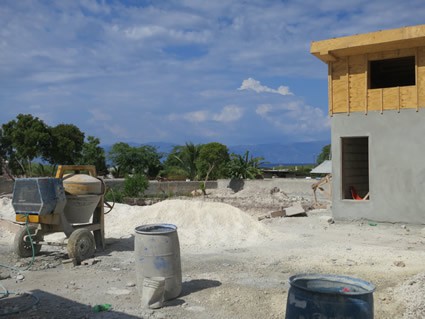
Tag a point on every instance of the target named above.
point(6, 209)
point(200, 224)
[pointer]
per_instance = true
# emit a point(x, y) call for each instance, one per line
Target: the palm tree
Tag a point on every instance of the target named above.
point(244, 166)
point(187, 156)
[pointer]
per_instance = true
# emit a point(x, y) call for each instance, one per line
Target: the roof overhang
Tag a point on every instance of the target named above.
point(386, 40)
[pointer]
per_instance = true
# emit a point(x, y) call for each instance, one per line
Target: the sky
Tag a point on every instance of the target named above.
point(234, 72)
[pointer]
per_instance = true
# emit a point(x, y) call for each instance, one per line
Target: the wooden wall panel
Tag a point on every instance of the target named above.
point(408, 97)
point(339, 86)
point(349, 85)
point(421, 76)
point(391, 98)
point(391, 54)
point(357, 83)
point(374, 102)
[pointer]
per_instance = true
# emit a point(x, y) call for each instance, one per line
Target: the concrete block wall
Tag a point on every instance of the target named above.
point(169, 188)
point(292, 187)
point(396, 166)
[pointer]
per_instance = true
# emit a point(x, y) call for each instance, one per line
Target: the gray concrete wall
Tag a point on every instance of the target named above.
point(396, 166)
point(172, 188)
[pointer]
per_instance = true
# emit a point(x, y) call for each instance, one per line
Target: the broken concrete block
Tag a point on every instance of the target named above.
point(263, 217)
point(295, 209)
point(278, 213)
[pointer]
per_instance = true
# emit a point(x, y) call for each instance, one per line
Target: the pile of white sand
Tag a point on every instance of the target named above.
point(199, 224)
point(6, 209)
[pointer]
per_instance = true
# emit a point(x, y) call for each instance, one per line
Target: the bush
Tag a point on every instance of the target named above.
point(114, 196)
point(135, 185)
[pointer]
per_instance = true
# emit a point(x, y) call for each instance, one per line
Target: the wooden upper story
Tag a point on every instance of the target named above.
point(376, 71)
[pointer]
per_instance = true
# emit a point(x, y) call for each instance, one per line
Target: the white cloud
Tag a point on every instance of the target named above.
point(98, 115)
point(197, 116)
point(263, 109)
point(228, 114)
point(295, 118)
point(254, 85)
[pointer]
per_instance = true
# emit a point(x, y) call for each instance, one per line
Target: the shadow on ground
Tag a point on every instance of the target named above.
point(192, 286)
point(40, 304)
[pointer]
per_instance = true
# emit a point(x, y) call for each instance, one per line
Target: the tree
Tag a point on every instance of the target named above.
point(325, 154)
point(93, 154)
point(66, 144)
point(244, 166)
point(184, 158)
point(132, 160)
point(23, 140)
point(212, 161)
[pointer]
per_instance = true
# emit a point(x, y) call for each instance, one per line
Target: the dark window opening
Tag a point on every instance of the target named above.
point(355, 168)
point(392, 73)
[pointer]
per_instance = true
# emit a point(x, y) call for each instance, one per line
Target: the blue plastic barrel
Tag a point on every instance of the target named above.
point(314, 296)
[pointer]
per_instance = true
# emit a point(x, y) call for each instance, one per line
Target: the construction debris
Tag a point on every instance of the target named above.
point(295, 210)
point(275, 214)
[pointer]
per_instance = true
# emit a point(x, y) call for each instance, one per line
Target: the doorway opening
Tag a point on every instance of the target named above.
point(355, 168)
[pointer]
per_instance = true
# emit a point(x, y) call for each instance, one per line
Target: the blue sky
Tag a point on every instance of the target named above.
point(234, 72)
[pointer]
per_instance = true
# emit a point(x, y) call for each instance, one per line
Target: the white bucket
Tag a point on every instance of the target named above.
point(153, 292)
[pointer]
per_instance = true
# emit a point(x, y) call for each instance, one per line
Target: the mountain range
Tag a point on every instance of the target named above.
point(272, 154)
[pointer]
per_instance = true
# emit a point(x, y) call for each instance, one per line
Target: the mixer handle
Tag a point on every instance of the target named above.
point(91, 169)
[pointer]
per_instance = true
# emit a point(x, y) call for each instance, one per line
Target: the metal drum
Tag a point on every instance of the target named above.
point(329, 296)
point(157, 253)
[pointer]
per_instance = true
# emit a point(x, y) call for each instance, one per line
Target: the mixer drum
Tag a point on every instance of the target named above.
point(83, 193)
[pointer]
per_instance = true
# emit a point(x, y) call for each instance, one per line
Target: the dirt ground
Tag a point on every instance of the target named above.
point(233, 265)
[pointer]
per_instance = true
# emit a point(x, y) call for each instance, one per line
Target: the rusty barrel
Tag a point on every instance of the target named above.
point(157, 254)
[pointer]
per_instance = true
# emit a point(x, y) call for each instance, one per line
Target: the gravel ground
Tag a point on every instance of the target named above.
point(233, 265)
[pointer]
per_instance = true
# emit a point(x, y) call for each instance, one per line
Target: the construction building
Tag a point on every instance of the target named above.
point(376, 85)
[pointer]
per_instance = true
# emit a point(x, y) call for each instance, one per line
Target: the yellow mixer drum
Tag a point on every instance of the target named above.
point(82, 184)
point(83, 193)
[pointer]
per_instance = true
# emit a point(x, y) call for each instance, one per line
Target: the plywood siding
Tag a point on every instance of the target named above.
point(349, 84)
point(339, 86)
point(358, 83)
point(421, 76)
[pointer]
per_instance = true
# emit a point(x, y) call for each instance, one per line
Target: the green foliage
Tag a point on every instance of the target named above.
point(325, 154)
point(174, 173)
point(244, 166)
point(135, 185)
point(66, 143)
point(23, 140)
point(93, 154)
point(43, 170)
point(114, 196)
point(143, 160)
point(212, 161)
point(183, 158)
point(26, 138)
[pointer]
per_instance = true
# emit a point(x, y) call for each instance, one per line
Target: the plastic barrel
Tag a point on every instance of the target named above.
point(329, 296)
point(157, 252)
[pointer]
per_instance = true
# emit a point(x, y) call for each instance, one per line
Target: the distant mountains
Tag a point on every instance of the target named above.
point(273, 154)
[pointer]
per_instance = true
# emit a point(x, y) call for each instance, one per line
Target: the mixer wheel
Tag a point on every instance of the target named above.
point(81, 245)
point(22, 245)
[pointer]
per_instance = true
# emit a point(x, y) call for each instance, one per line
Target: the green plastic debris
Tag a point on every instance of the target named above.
point(102, 307)
point(373, 224)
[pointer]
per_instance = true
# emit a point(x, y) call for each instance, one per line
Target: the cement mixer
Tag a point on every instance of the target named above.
point(72, 203)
